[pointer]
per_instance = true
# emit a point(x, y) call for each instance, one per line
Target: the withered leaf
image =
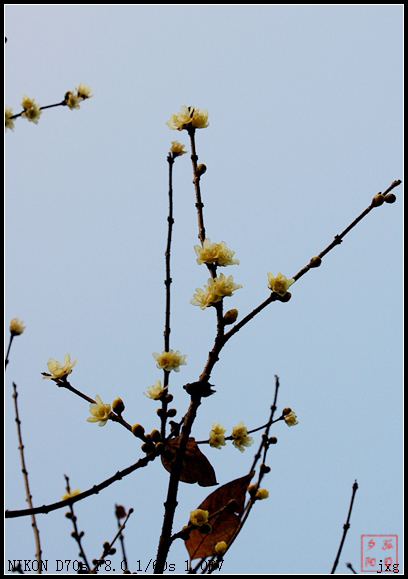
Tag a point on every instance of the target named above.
point(196, 467)
point(223, 525)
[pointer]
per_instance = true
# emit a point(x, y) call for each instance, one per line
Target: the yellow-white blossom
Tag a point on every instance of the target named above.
point(177, 149)
point(198, 517)
point(57, 370)
point(240, 436)
point(17, 326)
point(83, 91)
point(170, 360)
point(217, 436)
point(188, 116)
point(279, 284)
point(216, 289)
point(100, 412)
point(200, 119)
point(72, 100)
point(155, 392)
point(9, 123)
point(27, 103)
point(217, 253)
point(31, 111)
point(70, 494)
point(290, 419)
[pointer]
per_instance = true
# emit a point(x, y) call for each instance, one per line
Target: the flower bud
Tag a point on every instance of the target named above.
point(205, 528)
point(315, 261)
point(160, 446)
point(118, 406)
point(120, 512)
point(138, 430)
point(155, 436)
point(273, 440)
point(220, 548)
point(377, 200)
point(230, 317)
point(171, 412)
point(146, 448)
point(390, 198)
point(286, 411)
point(252, 489)
point(231, 506)
point(201, 169)
point(185, 533)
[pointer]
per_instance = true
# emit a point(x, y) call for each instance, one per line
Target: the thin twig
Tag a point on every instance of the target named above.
point(196, 181)
point(75, 534)
point(120, 513)
point(107, 547)
point(8, 349)
point(142, 462)
point(346, 527)
point(338, 238)
point(27, 486)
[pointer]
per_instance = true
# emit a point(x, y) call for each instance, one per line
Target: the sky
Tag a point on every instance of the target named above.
point(305, 112)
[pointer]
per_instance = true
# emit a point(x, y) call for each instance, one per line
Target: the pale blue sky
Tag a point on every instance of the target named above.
point(305, 111)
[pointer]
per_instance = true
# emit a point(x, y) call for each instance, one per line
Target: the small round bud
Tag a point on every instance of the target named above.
point(138, 430)
point(286, 411)
point(252, 489)
point(232, 506)
point(265, 469)
point(120, 512)
point(220, 548)
point(159, 412)
point(146, 448)
point(185, 533)
point(171, 412)
point(230, 317)
point(390, 198)
point(273, 440)
point(155, 436)
point(168, 398)
point(315, 261)
point(118, 406)
point(286, 297)
point(377, 200)
point(205, 528)
point(160, 446)
point(201, 169)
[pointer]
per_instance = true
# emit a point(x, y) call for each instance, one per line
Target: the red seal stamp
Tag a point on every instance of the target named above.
point(379, 554)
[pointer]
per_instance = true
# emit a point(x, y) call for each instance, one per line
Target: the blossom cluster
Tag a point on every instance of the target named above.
point(239, 435)
point(170, 360)
point(72, 100)
point(279, 284)
point(33, 111)
point(216, 289)
point(57, 370)
point(188, 117)
point(217, 253)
